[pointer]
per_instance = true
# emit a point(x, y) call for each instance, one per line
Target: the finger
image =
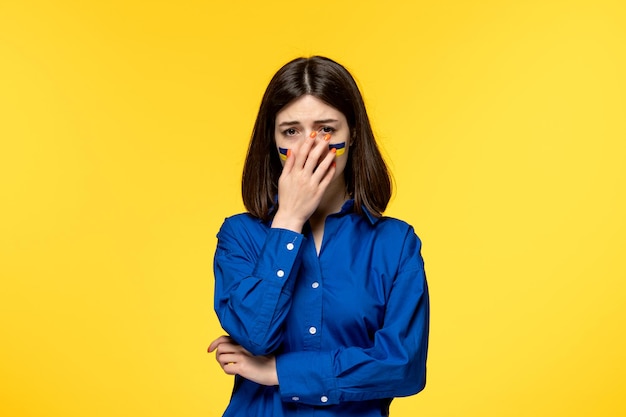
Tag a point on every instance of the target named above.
point(328, 176)
point(302, 153)
point(319, 149)
point(215, 343)
point(222, 339)
point(229, 348)
point(227, 358)
point(289, 162)
point(324, 165)
point(231, 368)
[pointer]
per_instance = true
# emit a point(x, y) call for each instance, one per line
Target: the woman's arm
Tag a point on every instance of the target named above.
point(255, 271)
point(394, 366)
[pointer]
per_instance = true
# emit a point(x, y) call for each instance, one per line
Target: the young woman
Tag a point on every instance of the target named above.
point(324, 300)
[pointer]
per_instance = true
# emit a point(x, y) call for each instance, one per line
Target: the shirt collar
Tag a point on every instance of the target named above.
point(348, 207)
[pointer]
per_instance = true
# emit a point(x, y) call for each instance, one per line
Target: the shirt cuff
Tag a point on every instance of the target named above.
point(279, 258)
point(307, 377)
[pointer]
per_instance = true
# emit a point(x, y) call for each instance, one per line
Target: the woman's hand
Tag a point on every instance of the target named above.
point(307, 172)
point(235, 360)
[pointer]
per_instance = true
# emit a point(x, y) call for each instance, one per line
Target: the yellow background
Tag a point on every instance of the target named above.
point(123, 129)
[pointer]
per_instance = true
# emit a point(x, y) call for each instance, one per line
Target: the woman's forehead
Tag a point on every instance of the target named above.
point(308, 108)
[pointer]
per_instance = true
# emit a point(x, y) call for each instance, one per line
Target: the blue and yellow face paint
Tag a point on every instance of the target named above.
point(340, 148)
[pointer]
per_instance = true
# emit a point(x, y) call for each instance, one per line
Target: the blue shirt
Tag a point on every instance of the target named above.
point(348, 327)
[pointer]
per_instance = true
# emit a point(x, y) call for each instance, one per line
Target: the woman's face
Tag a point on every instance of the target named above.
point(297, 120)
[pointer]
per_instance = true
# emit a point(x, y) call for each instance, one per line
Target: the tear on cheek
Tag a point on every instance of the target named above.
point(339, 148)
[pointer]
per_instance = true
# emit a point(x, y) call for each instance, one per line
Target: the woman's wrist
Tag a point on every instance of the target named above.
point(282, 221)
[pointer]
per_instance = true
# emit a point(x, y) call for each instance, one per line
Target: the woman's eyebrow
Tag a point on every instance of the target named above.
point(318, 122)
point(289, 123)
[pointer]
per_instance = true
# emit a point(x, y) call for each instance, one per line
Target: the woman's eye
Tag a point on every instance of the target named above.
point(290, 132)
point(328, 129)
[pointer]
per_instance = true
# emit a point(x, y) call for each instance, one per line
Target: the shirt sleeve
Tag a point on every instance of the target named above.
point(394, 366)
point(254, 279)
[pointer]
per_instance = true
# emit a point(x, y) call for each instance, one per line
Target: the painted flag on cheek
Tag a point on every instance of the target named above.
point(340, 148)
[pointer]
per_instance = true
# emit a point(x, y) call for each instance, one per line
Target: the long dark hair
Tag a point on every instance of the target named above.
point(366, 175)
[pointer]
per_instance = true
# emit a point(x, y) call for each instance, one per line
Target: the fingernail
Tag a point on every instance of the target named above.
point(333, 150)
point(288, 153)
point(334, 164)
point(313, 134)
point(327, 137)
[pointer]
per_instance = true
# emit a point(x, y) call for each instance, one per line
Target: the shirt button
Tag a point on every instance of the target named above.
point(295, 398)
point(315, 284)
point(280, 273)
point(312, 330)
point(324, 399)
point(290, 246)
